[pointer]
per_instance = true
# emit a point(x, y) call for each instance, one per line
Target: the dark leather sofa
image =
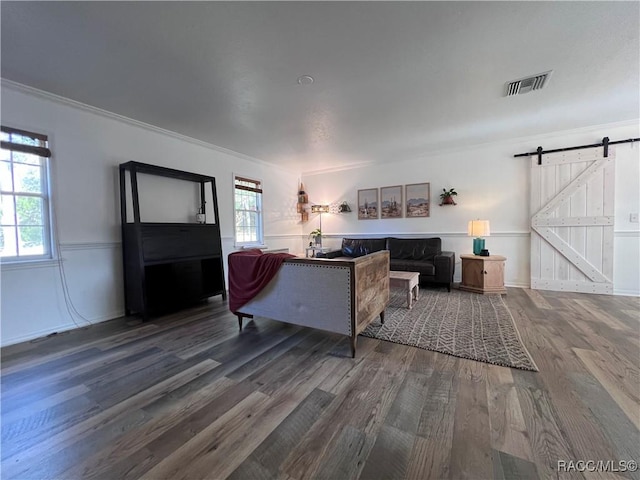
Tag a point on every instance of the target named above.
point(423, 255)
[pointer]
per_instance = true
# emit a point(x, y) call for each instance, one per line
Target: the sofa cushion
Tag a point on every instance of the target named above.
point(422, 267)
point(414, 248)
point(357, 247)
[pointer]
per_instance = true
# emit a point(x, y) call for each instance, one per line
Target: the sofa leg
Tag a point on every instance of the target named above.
point(448, 287)
point(382, 316)
point(354, 339)
point(240, 317)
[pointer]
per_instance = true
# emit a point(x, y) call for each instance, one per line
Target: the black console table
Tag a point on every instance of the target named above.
point(168, 265)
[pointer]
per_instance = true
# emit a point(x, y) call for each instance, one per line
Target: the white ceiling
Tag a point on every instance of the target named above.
point(393, 80)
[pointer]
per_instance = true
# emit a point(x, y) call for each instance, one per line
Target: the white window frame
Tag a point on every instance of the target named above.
point(259, 241)
point(44, 153)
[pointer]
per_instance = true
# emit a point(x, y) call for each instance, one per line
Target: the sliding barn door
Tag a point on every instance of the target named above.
point(572, 195)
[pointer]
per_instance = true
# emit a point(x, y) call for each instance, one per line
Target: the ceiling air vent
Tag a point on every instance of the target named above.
point(527, 84)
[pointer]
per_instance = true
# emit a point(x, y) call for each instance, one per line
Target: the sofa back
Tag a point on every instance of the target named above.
point(357, 247)
point(340, 296)
point(414, 248)
point(399, 248)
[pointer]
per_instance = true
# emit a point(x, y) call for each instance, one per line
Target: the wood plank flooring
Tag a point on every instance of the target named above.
point(187, 396)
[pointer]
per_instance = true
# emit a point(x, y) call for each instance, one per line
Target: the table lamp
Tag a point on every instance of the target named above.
point(478, 229)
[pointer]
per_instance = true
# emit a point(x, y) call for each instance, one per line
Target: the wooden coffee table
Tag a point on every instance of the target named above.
point(408, 281)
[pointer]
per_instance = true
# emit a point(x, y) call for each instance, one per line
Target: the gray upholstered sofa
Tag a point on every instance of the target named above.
point(422, 255)
point(341, 296)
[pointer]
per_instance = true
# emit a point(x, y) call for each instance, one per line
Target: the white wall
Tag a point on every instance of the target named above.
point(491, 185)
point(87, 147)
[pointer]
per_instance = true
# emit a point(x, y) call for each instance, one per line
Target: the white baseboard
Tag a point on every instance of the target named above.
point(60, 328)
point(39, 334)
point(626, 293)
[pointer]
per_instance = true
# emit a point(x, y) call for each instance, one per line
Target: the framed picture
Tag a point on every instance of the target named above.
point(391, 202)
point(368, 204)
point(417, 203)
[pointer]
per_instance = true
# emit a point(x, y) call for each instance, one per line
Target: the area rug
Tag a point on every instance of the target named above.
point(463, 324)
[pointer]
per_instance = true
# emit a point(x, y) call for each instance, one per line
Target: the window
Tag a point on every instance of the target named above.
point(248, 211)
point(24, 196)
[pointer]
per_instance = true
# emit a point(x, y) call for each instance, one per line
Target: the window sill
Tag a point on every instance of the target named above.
point(249, 247)
point(27, 264)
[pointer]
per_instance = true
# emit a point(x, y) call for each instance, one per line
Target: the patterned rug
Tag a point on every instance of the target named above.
point(463, 324)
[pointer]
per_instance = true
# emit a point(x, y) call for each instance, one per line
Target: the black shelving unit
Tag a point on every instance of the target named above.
point(168, 265)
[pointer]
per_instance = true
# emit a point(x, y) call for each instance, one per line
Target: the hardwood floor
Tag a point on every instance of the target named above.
point(188, 396)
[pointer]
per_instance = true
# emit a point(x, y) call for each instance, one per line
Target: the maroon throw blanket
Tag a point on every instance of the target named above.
point(249, 273)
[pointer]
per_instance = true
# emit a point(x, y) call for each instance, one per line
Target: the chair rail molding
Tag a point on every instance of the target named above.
point(89, 245)
point(523, 233)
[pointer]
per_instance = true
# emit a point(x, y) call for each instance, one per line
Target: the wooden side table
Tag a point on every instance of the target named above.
point(483, 274)
point(311, 252)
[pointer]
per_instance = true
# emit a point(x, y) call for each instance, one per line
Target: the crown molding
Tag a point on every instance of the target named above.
point(533, 139)
point(67, 102)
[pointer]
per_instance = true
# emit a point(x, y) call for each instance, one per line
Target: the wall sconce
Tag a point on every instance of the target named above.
point(344, 207)
point(478, 229)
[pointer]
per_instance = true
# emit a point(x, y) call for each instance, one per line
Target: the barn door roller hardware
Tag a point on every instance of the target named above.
point(605, 144)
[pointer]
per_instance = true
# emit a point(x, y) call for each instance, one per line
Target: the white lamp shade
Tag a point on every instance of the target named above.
point(479, 228)
point(319, 208)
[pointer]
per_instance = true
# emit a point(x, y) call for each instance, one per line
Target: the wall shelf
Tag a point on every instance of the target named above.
point(303, 201)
